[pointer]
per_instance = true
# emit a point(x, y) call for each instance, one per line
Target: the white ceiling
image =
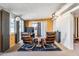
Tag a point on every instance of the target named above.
point(33, 10)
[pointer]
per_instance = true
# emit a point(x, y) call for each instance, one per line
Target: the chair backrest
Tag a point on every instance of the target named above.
point(50, 37)
point(25, 34)
point(49, 34)
point(26, 37)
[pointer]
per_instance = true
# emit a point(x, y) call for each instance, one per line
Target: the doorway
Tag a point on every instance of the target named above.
point(17, 29)
point(76, 29)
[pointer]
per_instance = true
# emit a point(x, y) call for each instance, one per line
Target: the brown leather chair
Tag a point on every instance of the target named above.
point(26, 37)
point(50, 37)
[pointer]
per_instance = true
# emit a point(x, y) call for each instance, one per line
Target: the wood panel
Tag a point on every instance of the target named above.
point(28, 23)
point(12, 39)
point(0, 31)
point(76, 27)
point(49, 25)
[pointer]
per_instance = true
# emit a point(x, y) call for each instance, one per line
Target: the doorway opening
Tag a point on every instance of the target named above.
point(76, 29)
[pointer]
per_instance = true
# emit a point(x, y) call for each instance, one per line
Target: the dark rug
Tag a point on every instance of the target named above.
point(48, 47)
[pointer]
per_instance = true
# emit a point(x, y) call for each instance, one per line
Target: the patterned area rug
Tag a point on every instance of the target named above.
point(48, 47)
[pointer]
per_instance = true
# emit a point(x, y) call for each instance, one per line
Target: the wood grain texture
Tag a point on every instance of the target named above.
point(0, 31)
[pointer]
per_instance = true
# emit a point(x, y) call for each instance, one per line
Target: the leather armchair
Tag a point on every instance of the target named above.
point(26, 37)
point(50, 37)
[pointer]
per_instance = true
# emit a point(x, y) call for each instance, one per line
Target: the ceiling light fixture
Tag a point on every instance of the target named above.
point(17, 18)
point(54, 17)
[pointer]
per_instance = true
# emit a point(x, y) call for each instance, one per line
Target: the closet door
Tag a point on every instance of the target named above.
point(0, 31)
point(5, 30)
point(17, 32)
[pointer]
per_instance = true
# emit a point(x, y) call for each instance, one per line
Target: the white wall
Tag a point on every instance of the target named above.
point(64, 24)
point(64, 8)
point(12, 29)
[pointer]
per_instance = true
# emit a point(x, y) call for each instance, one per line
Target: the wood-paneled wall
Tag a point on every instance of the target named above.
point(12, 39)
point(0, 31)
point(28, 23)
